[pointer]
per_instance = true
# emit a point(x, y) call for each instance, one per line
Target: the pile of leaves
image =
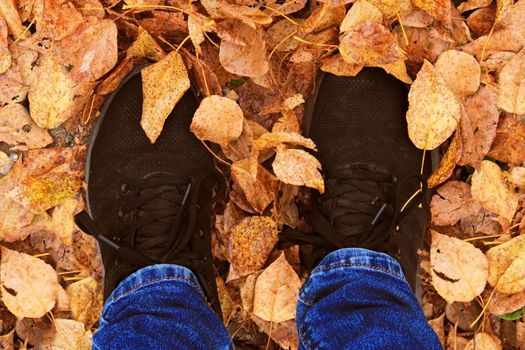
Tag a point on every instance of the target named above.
point(254, 64)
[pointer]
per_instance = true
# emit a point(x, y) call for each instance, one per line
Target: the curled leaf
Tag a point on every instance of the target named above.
point(298, 167)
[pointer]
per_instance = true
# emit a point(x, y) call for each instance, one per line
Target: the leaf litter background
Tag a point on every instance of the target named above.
point(254, 64)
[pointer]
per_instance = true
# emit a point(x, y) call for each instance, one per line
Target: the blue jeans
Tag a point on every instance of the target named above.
point(354, 299)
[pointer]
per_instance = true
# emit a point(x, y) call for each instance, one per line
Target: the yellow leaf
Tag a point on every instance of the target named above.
point(458, 269)
point(511, 81)
point(276, 292)
point(360, 12)
point(218, 119)
point(434, 110)
point(258, 191)
point(461, 72)
point(491, 190)
point(439, 9)
point(447, 163)
point(29, 285)
point(70, 335)
point(9, 11)
point(163, 85)
point(18, 129)
point(338, 66)
point(398, 69)
point(483, 341)
point(500, 259)
point(297, 167)
point(145, 46)
point(85, 299)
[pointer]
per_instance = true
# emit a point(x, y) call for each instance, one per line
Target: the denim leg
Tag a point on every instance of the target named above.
point(359, 299)
point(160, 307)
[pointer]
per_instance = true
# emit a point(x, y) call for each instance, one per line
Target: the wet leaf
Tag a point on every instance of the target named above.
point(276, 292)
point(459, 270)
point(490, 189)
point(483, 341)
point(251, 242)
point(297, 167)
point(29, 285)
point(218, 119)
point(163, 85)
point(433, 112)
point(447, 163)
point(507, 266)
point(145, 46)
point(511, 80)
point(460, 71)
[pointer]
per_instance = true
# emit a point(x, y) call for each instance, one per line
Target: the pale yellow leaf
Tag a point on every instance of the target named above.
point(483, 341)
point(501, 257)
point(69, 335)
point(458, 269)
point(146, 46)
point(218, 119)
point(9, 11)
point(439, 9)
point(511, 80)
point(276, 292)
point(18, 129)
point(491, 190)
point(163, 85)
point(298, 167)
point(460, 70)
point(29, 285)
point(434, 110)
point(360, 12)
point(85, 300)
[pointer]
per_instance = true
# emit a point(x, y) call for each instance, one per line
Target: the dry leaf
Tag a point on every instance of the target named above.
point(398, 69)
point(18, 129)
point(459, 270)
point(501, 304)
point(394, 8)
point(452, 202)
point(360, 12)
point(491, 190)
point(323, 17)
point(439, 9)
point(511, 80)
point(14, 218)
point(448, 162)
point(9, 11)
point(251, 242)
point(483, 341)
point(249, 15)
point(258, 191)
point(145, 46)
point(5, 55)
point(433, 112)
point(481, 21)
point(472, 5)
point(248, 60)
point(460, 71)
point(163, 85)
point(276, 292)
point(338, 66)
point(297, 167)
point(115, 78)
point(438, 326)
point(7, 340)
point(509, 143)
point(507, 266)
point(283, 333)
point(69, 335)
point(478, 126)
point(85, 300)
point(29, 285)
point(218, 119)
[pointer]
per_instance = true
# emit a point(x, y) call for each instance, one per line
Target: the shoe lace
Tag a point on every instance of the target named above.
point(361, 208)
point(158, 201)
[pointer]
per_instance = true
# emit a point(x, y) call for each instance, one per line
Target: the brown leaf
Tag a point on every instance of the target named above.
point(501, 304)
point(251, 242)
point(360, 12)
point(481, 21)
point(115, 78)
point(509, 143)
point(438, 326)
point(145, 46)
point(323, 17)
point(276, 292)
point(484, 341)
point(369, 44)
point(14, 84)
point(297, 167)
point(218, 119)
point(511, 81)
point(398, 69)
point(203, 76)
point(490, 189)
point(14, 218)
point(69, 335)
point(338, 66)
point(258, 191)
point(439, 9)
point(452, 202)
point(85, 299)
point(163, 85)
point(507, 266)
point(478, 126)
point(9, 12)
point(462, 314)
point(223, 10)
point(7, 340)
point(5, 55)
point(459, 270)
point(29, 285)
point(283, 333)
point(472, 5)
point(433, 112)
point(502, 40)
point(18, 129)
point(393, 8)
point(448, 162)
point(247, 60)
point(460, 71)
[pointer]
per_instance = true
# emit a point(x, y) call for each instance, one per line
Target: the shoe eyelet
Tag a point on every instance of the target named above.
point(201, 234)
point(124, 189)
point(120, 213)
point(205, 258)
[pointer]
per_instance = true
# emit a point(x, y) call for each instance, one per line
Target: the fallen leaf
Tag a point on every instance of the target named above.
point(509, 143)
point(85, 300)
point(433, 112)
point(360, 12)
point(398, 69)
point(438, 326)
point(462, 315)
point(472, 5)
point(439, 9)
point(502, 40)
point(197, 25)
point(506, 266)
point(258, 191)
point(18, 129)
point(203, 76)
point(7, 340)
point(338, 66)
point(247, 291)
point(228, 307)
point(323, 17)
point(9, 11)
point(223, 10)
point(394, 8)
point(247, 60)
point(490, 189)
point(29, 285)
point(218, 119)
point(297, 167)
point(459, 270)
point(14, 218)
point(70, 335)
point(517, 176)
point(369, 44)
point(5, 55)
point(483, 341)
point(501, 304)
point(283, 333)
point(145, 46)
point(163, 85)
point(452, 202)
point(287, 123)
point(460, 71)
point(251, 242)
point(448, 162)
point(276, 292)
point(478, 126)
point(15, 82)
point(116, 77)
point(511, 81)
point(481, 21)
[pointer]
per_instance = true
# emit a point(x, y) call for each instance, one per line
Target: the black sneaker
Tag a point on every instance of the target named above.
point(149, 203)
point(371, 170)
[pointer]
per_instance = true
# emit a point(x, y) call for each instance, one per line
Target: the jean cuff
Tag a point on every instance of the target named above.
point(160, 273)
point(361, 259)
